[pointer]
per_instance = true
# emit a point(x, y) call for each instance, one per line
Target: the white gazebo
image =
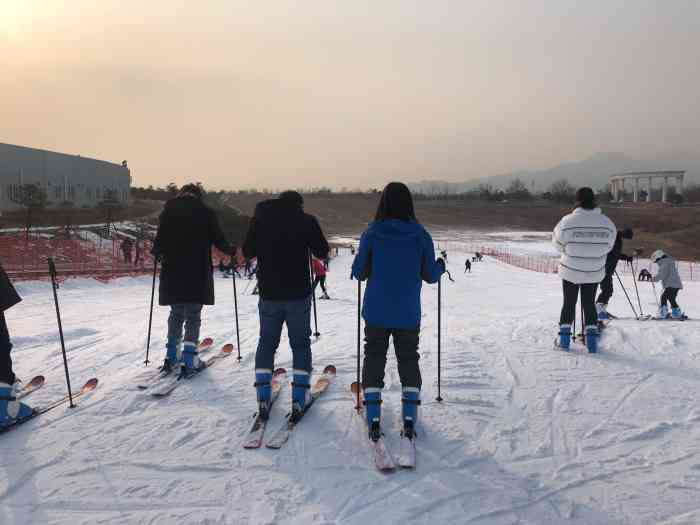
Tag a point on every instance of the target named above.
point(617, 183)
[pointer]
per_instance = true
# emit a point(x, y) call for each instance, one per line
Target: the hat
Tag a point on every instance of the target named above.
point(658, 254)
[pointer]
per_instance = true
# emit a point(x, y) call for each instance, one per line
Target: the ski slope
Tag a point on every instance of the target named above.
point(526, 434)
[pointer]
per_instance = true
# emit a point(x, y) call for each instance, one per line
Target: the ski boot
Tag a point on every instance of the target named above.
point(189, 360)
point(592, 335)
point(373, 412)
point(301, 393)
point(325, 296)
point(676, 313)
point(564, 341)
point(663, 312)
point(172, 355)
point(602, 310)
point(263, 388)
point(11, 410)
point(409, 410)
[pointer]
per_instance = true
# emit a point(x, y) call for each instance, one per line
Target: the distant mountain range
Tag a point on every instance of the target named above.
point(594, 171)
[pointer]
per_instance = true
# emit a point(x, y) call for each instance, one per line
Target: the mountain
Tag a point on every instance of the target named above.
point(594, 171)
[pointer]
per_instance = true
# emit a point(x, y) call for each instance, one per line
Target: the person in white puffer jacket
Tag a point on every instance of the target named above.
point(584, 238)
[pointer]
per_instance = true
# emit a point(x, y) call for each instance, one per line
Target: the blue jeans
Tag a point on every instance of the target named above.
point(297, 315)
point(188, 314)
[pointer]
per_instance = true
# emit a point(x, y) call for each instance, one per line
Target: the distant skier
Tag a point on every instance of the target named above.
point(11, 410)
point(477, 257)
point(584, 238)
point(187, 231)
point(671, 281)
point(396, 253)
point(606, 285)
point(644, 275)
point(126, 247)
point(467, 266)
point(443, 254)
point(319, 271)
point(352, 249)
point(281, 236)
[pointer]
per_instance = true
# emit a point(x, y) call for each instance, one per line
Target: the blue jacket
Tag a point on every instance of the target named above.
point(395, 256)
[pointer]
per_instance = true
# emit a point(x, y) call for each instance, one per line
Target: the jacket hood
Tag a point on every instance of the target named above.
point(396, 229)
point(274, 210)
point(584, 210)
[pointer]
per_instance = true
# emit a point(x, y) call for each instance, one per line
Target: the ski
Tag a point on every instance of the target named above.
point(34, 385)
point(87, 387)
point(380, 452)
point(280, 437)
point(407, 451)
point(174, 381)
point(254, 438)
point(155, 376)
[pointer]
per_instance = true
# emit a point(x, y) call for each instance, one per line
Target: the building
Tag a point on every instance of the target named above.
point(65, 178)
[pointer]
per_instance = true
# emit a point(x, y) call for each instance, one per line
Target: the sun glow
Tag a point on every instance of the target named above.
point(14, 14)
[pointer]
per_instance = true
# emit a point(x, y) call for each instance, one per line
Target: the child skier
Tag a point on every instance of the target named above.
point(320, 271)
point(671, 281)
point(396, 253)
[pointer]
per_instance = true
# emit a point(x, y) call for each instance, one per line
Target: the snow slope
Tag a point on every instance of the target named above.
point(526, 435)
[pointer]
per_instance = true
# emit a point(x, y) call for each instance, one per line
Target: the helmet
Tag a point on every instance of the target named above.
point(658, 254)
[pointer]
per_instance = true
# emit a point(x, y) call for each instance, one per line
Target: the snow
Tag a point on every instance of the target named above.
point(526, 434)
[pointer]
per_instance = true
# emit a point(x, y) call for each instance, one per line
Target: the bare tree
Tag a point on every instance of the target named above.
point(562, 191)
point(33, 199)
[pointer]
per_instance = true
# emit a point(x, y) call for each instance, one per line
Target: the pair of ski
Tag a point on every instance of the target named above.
point(254, 438)
point(163, 382)
point(34, 385)
point(383, 459)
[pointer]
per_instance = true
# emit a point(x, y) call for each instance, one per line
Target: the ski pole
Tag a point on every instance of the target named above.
point(358, 406)
point(313, 297)
point(636, 288)
point(52, 271)
point(150, 315)
point(439, 397)
point(583, 319)
point(627, 295)
point(656, 297)
point(235, 309)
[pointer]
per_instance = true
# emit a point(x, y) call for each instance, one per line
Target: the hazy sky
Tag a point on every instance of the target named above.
point(351, 93)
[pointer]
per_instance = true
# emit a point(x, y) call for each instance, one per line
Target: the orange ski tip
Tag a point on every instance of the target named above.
point(355, 387)
point(279, 372)
point(90, 385)
point(330, 369)
point(38, 380)
point(206, 341)
point(227, 348)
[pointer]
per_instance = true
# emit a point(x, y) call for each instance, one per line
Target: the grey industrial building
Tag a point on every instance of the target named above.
point(66, 178)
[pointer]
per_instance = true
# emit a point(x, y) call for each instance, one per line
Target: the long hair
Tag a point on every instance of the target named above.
point(396, 202)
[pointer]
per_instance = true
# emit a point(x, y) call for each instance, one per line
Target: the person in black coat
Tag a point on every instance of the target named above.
point(187, 231)
point(282, 237)
point(10, 409)
point(606, 285)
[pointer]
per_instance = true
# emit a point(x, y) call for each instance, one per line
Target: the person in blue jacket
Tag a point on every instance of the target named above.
point(396, 254)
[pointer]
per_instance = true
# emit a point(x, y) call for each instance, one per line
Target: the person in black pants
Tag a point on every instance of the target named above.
point(606, 285)
point(467, 266)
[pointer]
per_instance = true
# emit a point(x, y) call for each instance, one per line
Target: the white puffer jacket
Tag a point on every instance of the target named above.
point(584, 238)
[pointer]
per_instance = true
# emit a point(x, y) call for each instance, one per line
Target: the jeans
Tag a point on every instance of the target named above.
point(376, 347)
point(297, 315)
point(188, 314)
point(568, 311)
point(6, 375)
point(669, 295)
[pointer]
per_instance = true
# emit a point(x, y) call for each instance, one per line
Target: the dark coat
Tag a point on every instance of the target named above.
point(8, 295)
point(281, 236)
point(615, 255)
point(187, 231)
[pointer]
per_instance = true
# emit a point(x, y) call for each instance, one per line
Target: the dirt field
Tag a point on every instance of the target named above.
point(675, 229)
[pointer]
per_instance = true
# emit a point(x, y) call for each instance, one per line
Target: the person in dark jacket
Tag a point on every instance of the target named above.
point(11, 410)
point(187, 231)
point(282, 237)
point(606, 285)
point(467, 266)
point(396, 254)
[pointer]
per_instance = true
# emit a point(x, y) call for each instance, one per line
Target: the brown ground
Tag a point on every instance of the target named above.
point(675, 229)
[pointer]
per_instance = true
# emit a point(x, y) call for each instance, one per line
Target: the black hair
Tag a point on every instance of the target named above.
point(292, 197)
point(193, 189)
point(396, 202)
point(585, 198)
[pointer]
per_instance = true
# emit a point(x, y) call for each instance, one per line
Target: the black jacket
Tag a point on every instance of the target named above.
point(281, 236)
point(8, 295)
point(187, 231)
point(615, 255)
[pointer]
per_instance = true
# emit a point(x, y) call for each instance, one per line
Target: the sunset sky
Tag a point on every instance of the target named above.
point(354, 93)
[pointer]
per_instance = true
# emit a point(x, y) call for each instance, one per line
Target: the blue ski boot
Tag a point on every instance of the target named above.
point(592, 335)
point(602, 310)
point(676, 313)
point(663, 312)
point(564, 337)
point(190, 358)
point(373, 411)
point(11, 410)
point(263, 388)
point(172, 349)
point(409, 410)
point(301, 392)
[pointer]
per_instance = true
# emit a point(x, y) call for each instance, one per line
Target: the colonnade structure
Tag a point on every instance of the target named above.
point(617, 183)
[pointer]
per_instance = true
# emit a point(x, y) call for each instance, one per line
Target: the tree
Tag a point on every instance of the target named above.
point(517, 190)
point(562, 191)
point(33, 199)
point(172, 189)
point(109, 205)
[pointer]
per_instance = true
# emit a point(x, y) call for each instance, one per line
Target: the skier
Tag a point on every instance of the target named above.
point(644, 275)
point(443, 254)
point(606, 285)
point(126, 247)
point(467, 266)
point(281, 236)
point(395, 254)
point(319, 271)
point(671, 281)
point(584, 238)
point(187, 231)
point(11, 410)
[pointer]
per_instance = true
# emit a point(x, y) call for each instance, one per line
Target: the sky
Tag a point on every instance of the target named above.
point(348, 94)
